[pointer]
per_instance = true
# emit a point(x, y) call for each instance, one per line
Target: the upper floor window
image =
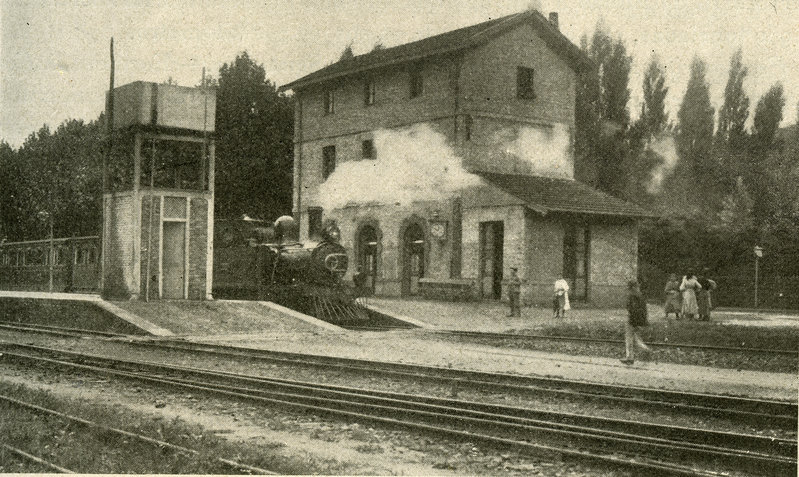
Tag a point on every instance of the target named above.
point(368, 149)
point(328, 161)
point(330, 101)
point(525, 88)
point(416, 81)
point(369, 92)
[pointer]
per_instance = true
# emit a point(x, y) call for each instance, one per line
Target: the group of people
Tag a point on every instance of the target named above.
point(560, 299)
point(690, 297)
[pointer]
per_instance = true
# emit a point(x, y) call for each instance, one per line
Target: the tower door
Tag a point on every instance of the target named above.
point(174, 259)
point(413, 259)
point(492, 238)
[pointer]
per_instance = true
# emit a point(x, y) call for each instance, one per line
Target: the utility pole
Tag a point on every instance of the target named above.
point(758, 254)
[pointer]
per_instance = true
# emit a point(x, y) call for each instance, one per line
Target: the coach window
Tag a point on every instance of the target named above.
point(328, 161)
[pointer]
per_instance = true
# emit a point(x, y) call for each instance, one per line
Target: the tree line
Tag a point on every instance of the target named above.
point(56, 175)
point(719, 183)
point(718, 186)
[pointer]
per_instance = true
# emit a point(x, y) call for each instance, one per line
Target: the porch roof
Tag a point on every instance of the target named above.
point(545, 195)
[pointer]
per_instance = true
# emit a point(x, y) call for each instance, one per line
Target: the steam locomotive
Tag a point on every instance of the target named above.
point(256, 261)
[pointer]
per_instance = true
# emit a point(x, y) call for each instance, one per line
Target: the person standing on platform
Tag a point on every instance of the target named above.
point(514, 284)
point(560, 302)
point(358, 282)
point(689, 287)
point(636, 318)
point(703, 300)
point(673, 302)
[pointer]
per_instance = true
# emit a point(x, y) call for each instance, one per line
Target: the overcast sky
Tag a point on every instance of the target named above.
point(54, 54)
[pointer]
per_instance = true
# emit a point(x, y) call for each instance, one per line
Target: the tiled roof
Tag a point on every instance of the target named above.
point(545, 195)
point(448, 42)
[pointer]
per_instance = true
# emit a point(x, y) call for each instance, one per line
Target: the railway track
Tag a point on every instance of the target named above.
point(781, 414)
point(644, 447)
point(575, 339)
point(157, 443)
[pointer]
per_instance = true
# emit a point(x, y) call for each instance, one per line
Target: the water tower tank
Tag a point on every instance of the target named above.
point(151, 104)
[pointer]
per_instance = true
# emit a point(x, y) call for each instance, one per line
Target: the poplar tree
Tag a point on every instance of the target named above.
point(653, 110)
point(695, 133)
point(735, 110)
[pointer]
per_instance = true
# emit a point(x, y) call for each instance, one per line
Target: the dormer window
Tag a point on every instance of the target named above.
point(416, 81)
point(525, 87)
point(330, 101)
point(369, 92)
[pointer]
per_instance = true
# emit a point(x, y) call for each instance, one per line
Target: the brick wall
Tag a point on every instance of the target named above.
point(198, 251)
point(118, 279)
point(614, 261)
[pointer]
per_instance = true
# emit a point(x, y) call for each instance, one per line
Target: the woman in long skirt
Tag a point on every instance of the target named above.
point(673, 303)
point(689, 287)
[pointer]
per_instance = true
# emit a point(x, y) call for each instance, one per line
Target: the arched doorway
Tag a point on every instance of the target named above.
point(368, 255)
point(413, 259)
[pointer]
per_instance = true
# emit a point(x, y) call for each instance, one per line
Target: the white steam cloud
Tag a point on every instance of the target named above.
point(667, 150)
point(413, 164)
point(544, 150)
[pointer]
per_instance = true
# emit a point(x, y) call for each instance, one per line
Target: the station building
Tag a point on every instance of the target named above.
point(501, 94)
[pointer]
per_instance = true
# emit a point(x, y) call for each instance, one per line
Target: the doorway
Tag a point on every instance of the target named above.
point(174, 260)
point(492, 238)
point(413, 259)
point(367, 247)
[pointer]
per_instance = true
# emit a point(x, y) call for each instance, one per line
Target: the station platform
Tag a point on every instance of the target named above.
point(268, 326)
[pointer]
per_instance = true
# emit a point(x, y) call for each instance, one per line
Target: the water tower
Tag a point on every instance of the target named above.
point(158, 205)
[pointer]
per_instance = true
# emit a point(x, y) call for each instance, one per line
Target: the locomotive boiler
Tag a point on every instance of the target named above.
point(253, 260)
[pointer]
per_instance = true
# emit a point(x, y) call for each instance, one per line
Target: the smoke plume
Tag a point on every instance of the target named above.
point(413, 164)
point(667, 150)
point(545, 151)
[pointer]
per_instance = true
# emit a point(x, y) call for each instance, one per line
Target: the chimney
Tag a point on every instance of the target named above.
point(553, 19)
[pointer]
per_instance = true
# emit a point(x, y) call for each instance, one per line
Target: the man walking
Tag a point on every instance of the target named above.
point(636, 318)
point(514, 290)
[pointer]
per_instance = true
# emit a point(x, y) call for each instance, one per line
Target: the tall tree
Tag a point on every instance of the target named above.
point(768, 116)
point(654, 117)
point(254, 126)
point(695, 133)
point(764, 156)
point(602, 114)
point(735, 110)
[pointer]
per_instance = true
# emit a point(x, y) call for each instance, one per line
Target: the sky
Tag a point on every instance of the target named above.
point(54, 60)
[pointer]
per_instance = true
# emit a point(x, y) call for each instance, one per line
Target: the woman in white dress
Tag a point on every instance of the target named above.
point(689, 286)
point(560, 302)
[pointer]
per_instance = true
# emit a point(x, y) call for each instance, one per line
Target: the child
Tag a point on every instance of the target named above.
point(560, 302)
point(636, 318)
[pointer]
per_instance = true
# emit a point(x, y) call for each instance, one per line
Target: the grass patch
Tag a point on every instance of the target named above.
point(89, 450)
point(73, 314)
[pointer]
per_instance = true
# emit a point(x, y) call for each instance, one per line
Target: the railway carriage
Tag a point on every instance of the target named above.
point(59, 265)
